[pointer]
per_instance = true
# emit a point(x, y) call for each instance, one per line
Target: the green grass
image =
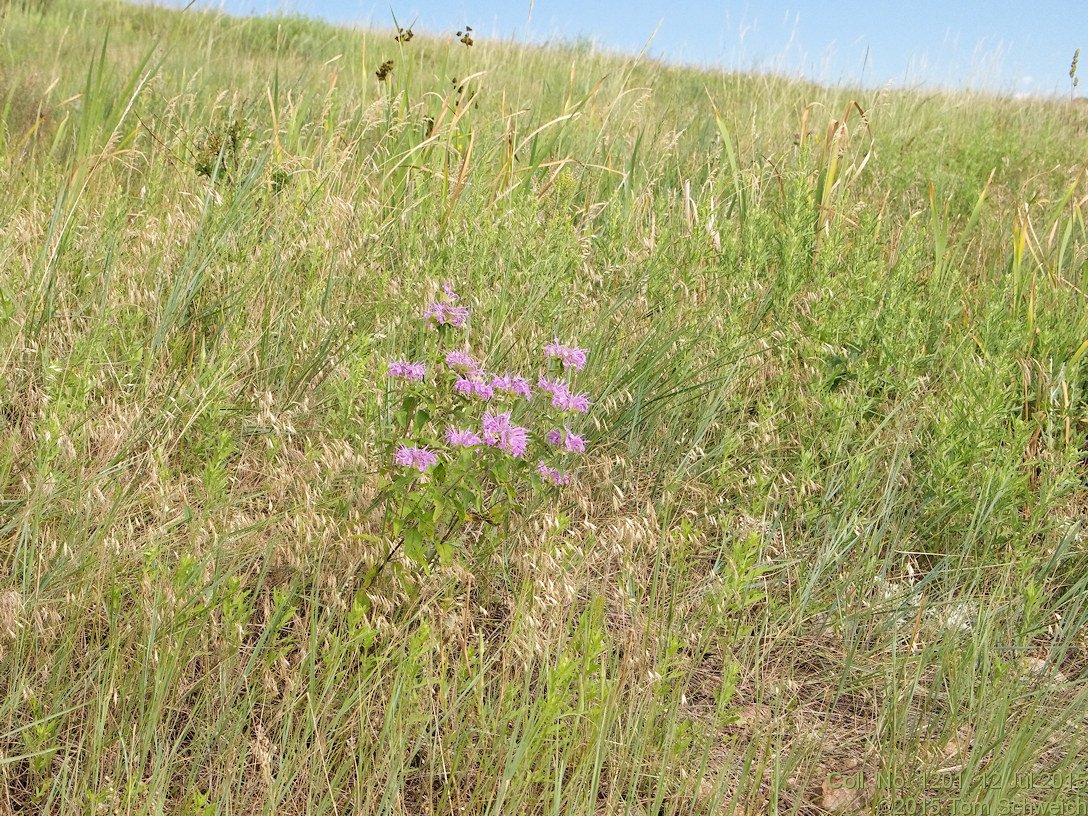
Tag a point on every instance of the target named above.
point(831, 517)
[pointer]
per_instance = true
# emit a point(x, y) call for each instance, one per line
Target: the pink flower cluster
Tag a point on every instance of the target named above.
point(501, 432)
point(512, 384)
point(472, 387)
point(569, 441)
point(418, 458)
point(552, 475)
point(445, 312)
point(497, 429)
point(563, 398)
point(462, 363)
point(572, 357)
point(461, 438)
point(413, 372)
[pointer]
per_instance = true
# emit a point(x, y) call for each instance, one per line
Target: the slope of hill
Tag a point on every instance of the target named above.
point(823, 549)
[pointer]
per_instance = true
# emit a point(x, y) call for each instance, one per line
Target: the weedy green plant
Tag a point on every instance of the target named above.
point(472, 462)
point(219, 152)
point(384, 70)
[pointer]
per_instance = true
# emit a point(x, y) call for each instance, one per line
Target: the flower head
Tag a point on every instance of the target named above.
point(573, 442)
point(514, 441)
point(462, 363)
point(550, 386)
point(566, 401)
point(572, 357)
point(408, 371)
point(552, 475)
point(562, 398)
point(463, 439)
point(567, 439)
point(474, 388)
point(512, 384)
point(495, 424)
point(500, 432)
point(418, 458)
point(444, 312)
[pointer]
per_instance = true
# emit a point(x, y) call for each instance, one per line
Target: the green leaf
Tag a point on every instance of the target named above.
point(426, 528)
point(407, 479)
point(468, 497)
point(458, 506)
point(446, 550)
point(421, 419)
point(413, 546)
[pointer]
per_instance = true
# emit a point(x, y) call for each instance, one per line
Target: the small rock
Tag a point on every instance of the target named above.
point(838, 799)
point(1040, 669)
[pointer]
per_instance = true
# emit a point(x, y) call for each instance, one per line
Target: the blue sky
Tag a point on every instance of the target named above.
point(1013, 47)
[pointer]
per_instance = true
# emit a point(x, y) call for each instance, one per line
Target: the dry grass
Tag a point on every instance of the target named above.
point(831, 516)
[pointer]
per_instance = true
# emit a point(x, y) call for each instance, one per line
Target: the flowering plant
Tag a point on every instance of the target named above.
point(463, 446)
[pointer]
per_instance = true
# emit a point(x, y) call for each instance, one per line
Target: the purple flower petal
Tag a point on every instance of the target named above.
point(409, 371)
point(414, 457)
point(501, 432)
point(572, 357)
point(566, 401)
point(462, 438)
point(512, 384)
point(552, 475)
point(462, 363)
point(474, 388)
point(573, 442)
point(551, 386)
point(444, 312)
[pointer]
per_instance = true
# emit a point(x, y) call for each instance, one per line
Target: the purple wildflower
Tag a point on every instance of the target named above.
point(514, 441)
point(566, 401)
point(512, 384)
point(573, 442)
point(474, 388)
point(501, 432)
point(445, 312)
point(406, 370)
point(450, 294)
point(494, 425)
point(566, 439)
point(550, 386)
point(572, 357)
point(419, 458)
point(463, 439)
point(461, 362)
point(552, 475)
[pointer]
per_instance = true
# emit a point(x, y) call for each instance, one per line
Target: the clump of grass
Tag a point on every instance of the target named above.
point(24, 115)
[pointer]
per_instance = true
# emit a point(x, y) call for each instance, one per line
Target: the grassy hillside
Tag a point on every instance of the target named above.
point(828, 522)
